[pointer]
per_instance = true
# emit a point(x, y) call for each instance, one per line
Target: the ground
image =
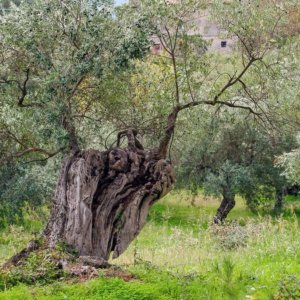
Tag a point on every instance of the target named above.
point(180, 255)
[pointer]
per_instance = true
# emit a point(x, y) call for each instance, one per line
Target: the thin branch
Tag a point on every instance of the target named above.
point(23, 89)
point(233, 80)
point(31, 150)
point(50, 155)
point(47, 154)
point(172, 118)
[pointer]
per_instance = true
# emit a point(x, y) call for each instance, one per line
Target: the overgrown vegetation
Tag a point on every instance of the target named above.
point(113, 107)
point(179, 255)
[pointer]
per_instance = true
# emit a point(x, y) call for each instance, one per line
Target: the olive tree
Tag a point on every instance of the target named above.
point(59, 63)
point(244, 164)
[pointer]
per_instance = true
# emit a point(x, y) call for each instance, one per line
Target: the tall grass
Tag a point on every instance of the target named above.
point(181, 255)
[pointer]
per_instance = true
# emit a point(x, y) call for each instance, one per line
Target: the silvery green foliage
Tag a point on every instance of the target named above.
point(55, 56)
point(24, 185)
point(56, 42)
point(290, 161)
point(8, 5)
point(229, 152)
point(62, 50)
point(230, 174)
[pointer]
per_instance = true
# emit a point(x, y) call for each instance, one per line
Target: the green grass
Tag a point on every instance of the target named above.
point(180, 255)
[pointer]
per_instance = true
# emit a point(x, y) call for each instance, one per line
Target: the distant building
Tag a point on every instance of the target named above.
point(209, 31)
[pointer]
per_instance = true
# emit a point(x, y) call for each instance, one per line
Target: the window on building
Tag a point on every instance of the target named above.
point(223, 44)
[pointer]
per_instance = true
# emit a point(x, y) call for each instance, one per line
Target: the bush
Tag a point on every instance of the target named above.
point(24, 186)
point(39, 267)
point(232, 235)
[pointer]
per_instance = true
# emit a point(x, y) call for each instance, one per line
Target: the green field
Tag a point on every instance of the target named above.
point(180, 255)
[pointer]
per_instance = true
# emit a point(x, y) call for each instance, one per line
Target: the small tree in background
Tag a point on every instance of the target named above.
point(239, 158)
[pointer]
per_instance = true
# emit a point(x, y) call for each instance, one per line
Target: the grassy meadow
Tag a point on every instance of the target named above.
point(179, 255)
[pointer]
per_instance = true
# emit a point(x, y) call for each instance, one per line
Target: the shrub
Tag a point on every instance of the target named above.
point(39, 267)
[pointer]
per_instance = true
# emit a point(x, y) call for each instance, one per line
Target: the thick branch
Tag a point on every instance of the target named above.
point(164, 143)
point(163, 147)
point(213, 103)
point(177, 97)
point(70, 128)
point(133, 142)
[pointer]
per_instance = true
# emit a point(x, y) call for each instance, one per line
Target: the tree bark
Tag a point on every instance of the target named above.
point(226, 206)
point(102, 199)
point(278, 200)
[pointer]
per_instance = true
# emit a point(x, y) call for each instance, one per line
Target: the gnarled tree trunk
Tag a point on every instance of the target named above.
point(226, 206)
point(102, 199)
point(278, 200)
